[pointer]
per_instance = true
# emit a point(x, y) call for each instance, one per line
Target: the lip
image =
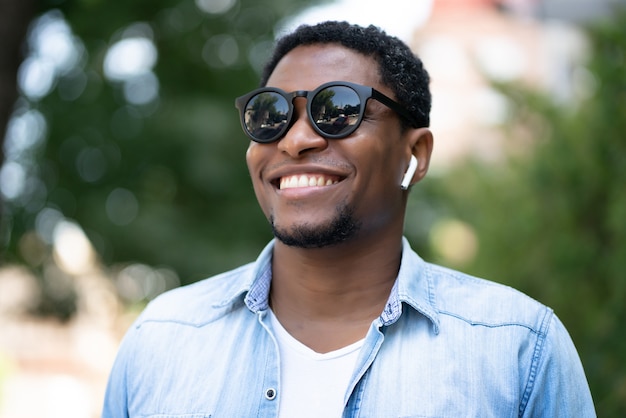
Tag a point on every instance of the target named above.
point(335, 175)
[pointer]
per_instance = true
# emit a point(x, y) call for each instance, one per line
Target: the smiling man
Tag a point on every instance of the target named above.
point(339, 317)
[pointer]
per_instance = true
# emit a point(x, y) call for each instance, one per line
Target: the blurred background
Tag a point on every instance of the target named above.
point(123, 175)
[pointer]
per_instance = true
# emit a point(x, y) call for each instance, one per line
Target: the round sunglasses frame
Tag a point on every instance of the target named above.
point(364, 93)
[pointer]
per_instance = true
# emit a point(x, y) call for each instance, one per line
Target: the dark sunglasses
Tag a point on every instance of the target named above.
point(335, 110)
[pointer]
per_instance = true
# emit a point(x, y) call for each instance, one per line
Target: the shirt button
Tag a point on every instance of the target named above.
point(270, 394)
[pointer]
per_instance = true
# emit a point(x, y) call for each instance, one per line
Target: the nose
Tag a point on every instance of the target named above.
point(301, 138)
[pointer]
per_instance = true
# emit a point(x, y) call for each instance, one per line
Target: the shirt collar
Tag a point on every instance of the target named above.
point(257, 298)
point(413, 286)
point(254, 285)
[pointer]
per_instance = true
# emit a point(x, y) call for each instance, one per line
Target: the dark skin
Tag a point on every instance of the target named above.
point(327, 297)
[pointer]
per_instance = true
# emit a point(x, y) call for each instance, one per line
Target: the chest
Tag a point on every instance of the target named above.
point(401, 371)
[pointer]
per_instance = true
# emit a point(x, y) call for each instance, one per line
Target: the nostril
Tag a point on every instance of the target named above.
point(301, 138)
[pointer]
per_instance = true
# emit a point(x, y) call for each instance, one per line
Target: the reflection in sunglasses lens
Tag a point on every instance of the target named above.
point(336, 109)
point(266, 115)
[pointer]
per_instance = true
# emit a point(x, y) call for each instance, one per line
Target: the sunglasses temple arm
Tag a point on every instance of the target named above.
point(395, 106)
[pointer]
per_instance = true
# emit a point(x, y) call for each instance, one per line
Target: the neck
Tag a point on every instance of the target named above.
point(321, 289)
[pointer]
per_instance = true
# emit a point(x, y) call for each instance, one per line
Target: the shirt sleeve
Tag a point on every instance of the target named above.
point(116, 395)
point(557, 386)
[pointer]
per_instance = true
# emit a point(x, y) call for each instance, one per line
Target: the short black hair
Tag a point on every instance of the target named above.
point(400, 69)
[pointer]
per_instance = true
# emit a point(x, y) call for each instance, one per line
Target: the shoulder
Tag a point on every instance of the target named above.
point(200, 302)
point(482, 302)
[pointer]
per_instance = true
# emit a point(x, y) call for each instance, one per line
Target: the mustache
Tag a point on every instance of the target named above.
point(312, 159)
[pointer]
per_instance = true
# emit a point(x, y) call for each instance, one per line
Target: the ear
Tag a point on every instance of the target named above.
point(420, 145)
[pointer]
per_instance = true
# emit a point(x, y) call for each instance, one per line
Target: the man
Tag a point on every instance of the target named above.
point(338, 316)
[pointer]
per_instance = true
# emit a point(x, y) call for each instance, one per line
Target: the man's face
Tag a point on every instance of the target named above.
point(318, 192)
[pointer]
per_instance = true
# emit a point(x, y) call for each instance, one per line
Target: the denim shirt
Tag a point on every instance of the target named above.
point(446, 345)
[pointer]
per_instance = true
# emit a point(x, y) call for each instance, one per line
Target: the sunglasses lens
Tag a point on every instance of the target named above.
point(336, 110)
point(266, 116)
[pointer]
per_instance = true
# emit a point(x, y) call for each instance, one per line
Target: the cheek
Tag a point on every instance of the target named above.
point(251, 155)
point(381, 174)
point(256, 157)
point(383, 168)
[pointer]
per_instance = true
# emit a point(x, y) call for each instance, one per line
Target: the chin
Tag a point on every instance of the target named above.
point(337, 231)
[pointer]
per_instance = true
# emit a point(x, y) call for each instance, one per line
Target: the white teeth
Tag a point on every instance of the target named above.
point(302, 180)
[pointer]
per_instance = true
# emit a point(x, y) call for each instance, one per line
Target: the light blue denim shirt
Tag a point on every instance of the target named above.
point(446, 345)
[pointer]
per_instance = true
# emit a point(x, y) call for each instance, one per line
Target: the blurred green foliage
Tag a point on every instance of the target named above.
point(178, 163)
point(551, 220)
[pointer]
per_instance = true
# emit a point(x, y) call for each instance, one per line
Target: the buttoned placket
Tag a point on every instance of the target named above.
point(271, 385)
point(371, 346)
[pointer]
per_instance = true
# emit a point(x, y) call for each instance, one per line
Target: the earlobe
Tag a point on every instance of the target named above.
point(410, 172)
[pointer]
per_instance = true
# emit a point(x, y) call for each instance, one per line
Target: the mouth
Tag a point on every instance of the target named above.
point(295, 181)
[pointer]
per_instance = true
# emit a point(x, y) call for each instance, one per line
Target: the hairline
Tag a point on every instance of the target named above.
point(411, 90)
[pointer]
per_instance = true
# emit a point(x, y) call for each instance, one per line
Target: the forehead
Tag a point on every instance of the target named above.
point(306, 67)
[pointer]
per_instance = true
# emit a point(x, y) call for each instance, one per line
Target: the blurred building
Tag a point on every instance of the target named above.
point(467, 44)
point(574, 11)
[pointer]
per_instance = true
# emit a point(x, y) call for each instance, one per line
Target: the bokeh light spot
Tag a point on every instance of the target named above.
point(221, 51)
point(45, 223)
point(54, 52)
point(35, 77)
point(122, 206)
point(138, 282)
point(142, 89)
point(12, 179)
point(215, 6)
point(455, 241)
point(72, 250)
point(130, 57)
point(91, 164)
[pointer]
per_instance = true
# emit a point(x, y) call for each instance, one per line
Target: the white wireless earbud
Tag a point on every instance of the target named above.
point(408, 176)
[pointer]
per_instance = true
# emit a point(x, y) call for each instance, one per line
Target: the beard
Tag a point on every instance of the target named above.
point(342, 227)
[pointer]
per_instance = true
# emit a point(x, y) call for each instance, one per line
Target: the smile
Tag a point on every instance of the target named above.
point(307, 180)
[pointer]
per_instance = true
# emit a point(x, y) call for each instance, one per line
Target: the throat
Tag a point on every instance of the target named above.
point(326, 322)
point(324, 336)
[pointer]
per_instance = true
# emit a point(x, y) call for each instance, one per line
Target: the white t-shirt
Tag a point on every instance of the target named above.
point(312, 384)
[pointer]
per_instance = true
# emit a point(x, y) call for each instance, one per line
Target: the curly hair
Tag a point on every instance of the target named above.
point(400, 69)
